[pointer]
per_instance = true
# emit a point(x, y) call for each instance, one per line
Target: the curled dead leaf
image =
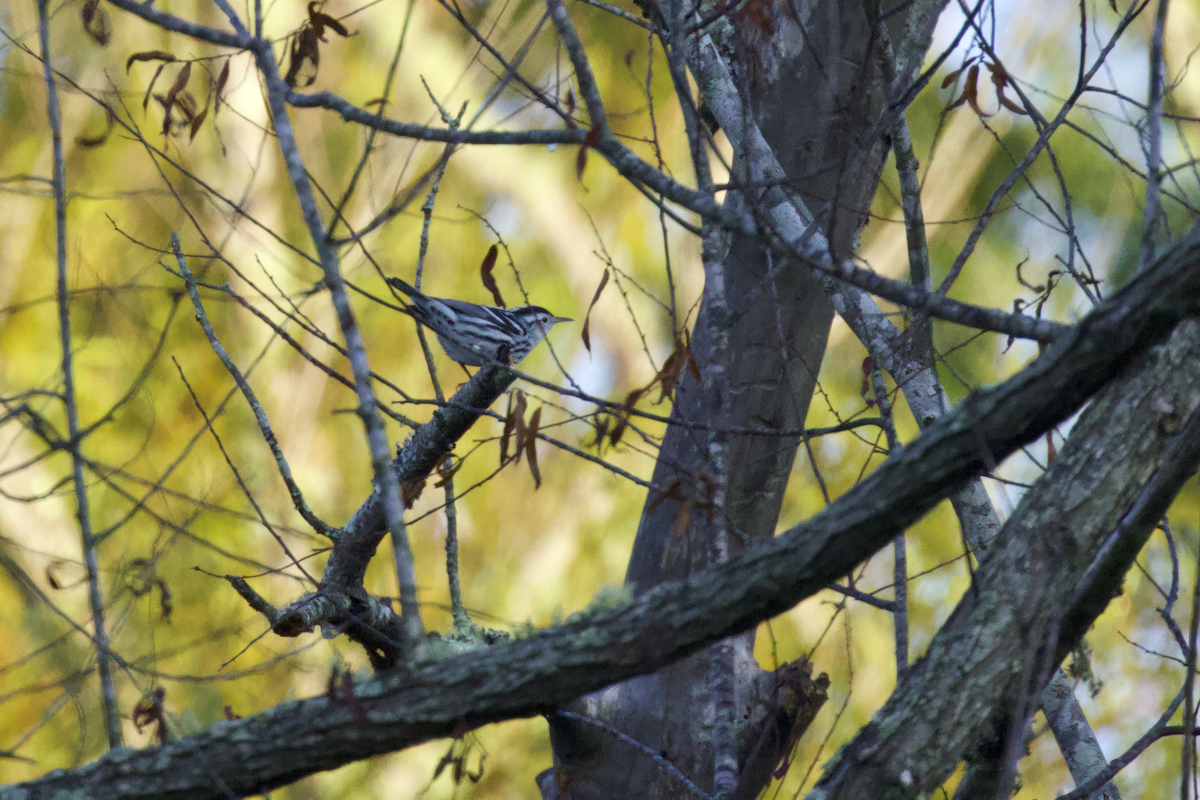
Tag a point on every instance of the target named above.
point(410, 491)
point(96, 22)
point(110, 120)
point(489, 280)
point(672, 368)
point(304, 59)
point(587, 319)
point(222, 79)
point(320, 21)
point(590, 140)
point(518, 416)
point(181, 81)
point(535, 420)
point(196, 123)
point(149, 55)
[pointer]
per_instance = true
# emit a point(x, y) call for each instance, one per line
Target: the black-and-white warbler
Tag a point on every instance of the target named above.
point(472, 334)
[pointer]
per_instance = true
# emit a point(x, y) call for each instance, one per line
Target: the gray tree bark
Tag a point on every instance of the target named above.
point(410, 704)
point(807, 80)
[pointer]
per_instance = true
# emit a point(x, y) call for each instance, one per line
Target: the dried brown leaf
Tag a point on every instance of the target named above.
point(444, 762)
point(535, 420)
point(305, 59)
point(196, 123)
point(1001, 80)
point(587, 319)
point(518, 413)
point(672, 491)
point(1012, 106)
point(619, 429)
point(672, 368)
point(149, 710)
point(410, 492)
point(590, 140)
point(96, 22)
point(150, 88)
point(971, 92)
point(181, 80)
point(164, 601)
point(682, 519)
point(865, 389)
point(600, 426)
point(510, 424)
point(999, 75)
point(692, 366)
point(149, 55)
point(187, 105)
point(322, 21)
point(222, 79)
point(338, 27)
point(761, 14)
point(679, 528)
point(489, 280)
point(110, 120)
point(626, 411)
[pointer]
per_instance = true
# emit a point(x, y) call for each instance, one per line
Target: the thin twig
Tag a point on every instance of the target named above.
point(1125, 759)
point(1153, 149)
point(238, 477)
point(376, 434)
point(617, 12)
point(1047, 129)
point(260, 414)
point(108, 691)
point(899, 552)
point(462, 620)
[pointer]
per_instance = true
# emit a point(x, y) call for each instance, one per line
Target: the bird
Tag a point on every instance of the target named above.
point(474, 335)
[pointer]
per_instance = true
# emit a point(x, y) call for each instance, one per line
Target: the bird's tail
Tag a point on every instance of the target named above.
point(414, 309)
point(396, 283)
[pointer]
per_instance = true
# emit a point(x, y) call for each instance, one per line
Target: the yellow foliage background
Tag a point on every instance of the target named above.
point(168, 508)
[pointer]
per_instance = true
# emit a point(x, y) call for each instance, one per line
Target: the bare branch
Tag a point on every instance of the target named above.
point(529, 676)
point(108, 692)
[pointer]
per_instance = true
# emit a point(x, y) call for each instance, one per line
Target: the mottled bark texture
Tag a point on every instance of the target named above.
point(809, 78)
point(437, 698)
point(1058, 561)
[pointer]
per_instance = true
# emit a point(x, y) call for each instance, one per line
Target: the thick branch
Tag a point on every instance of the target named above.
point(532, 676)
point(416, 459)
point(1058, 562)
point(409, 130)
point(341, 601)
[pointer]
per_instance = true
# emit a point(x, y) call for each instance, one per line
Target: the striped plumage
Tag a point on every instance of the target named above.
point(473, 334)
